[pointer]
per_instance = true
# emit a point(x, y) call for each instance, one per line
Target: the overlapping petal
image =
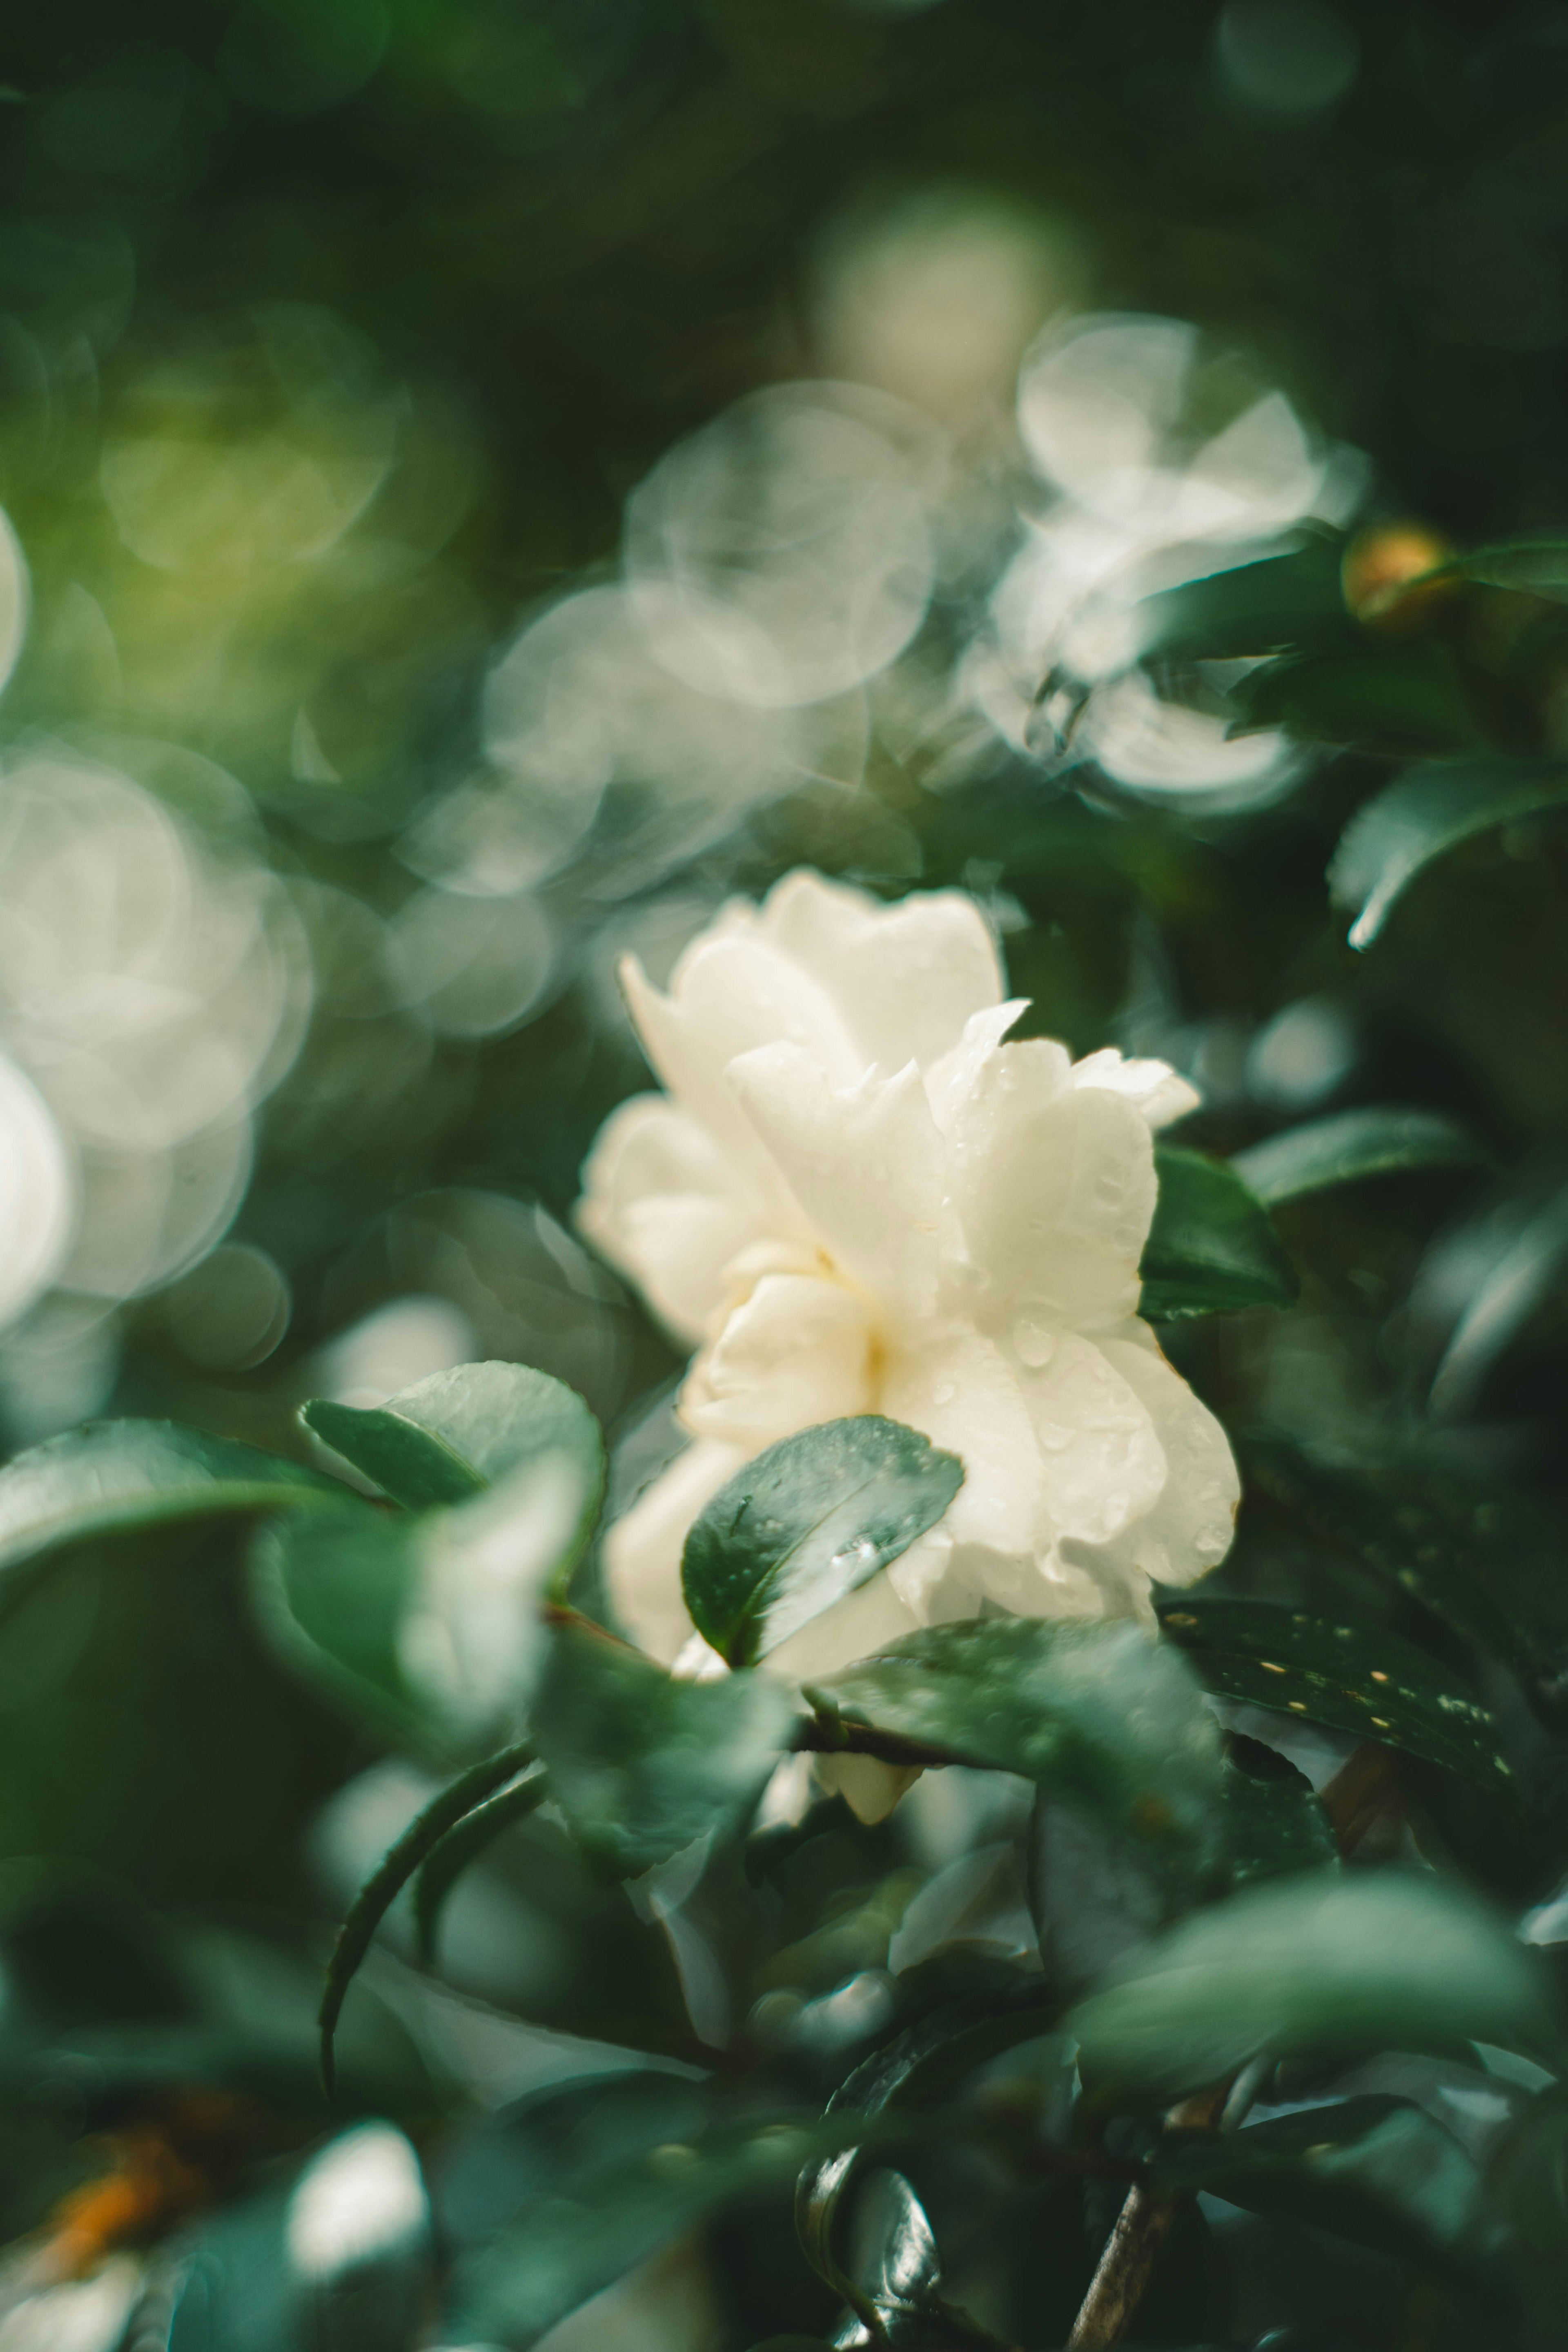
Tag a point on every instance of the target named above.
point(663, 1203)
point(799, 1350)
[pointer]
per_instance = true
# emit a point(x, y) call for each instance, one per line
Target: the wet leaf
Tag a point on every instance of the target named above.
point(1351, 1146)
point(642, 1764)
point(1212, 1249)
point(1351, 1678)
point(1430, 809)
point(1359, 1962)
point(1274, 1824)
point(808, 1521)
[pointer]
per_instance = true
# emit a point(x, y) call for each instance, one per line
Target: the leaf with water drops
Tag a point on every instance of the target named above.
point(1350, 1677)
point(1211, 1249)
point(808, 1521)
point(1275, 1822)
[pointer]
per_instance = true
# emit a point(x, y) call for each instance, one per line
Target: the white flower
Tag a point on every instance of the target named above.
point(856, 1198)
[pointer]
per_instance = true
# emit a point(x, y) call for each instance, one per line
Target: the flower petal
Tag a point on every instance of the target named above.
point(1102, 1463)
point(864, 1163)
point(797, 1351)
point(905, 978)
point(960, 1390)
point(1161, 1093)
point(643, 1548)
point(662, 1203)
point(1055, 1187)
point(1189, 1529)
point(864, 1620)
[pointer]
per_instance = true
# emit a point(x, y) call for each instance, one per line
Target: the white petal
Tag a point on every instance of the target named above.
point(869, 1787)
point(905, 978)
point(867, 1619)
point(961, 1391)
point(1161, 1093)
point(1055, 1187)
point(865, 1164)
point(1188, 1530)
point(950, 1081)
point(642, 1550)
point(1102, 1463)
point(797, 1352)
point(662, 1203)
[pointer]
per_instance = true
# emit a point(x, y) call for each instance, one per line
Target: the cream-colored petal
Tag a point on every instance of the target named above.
point(867, 1619)
point(732, 992)
point(957, 1387)
point(1188, 1529)
point(662, 1202)
point(865, 1164)
point(905, 978)
point(1161, 1093)
point(1055, 1188)
point(1101, 1460)
point(797, 1352)
point(869, 1787)
point(950, 1081)
point(643, 1548)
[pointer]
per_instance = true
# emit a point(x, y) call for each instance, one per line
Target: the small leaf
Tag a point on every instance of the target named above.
point(452, 1436)
point(1106, 1719)
point(642, 1764)
point(463, 1843)
point(1351, 1146)
point(1380, 1960)
point(1351, 1678)
point(1274, 1824)
point(391, 1874)
point(114, 1477)
point(1211, 1249)
point(1430, 809)
point(806, 1522)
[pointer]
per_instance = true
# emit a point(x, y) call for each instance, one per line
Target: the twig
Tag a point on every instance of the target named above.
point(1365, 1787)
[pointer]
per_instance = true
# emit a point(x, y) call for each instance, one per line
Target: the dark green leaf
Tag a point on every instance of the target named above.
point(1536, 567)
point(1351, 1146)
point(463, 1843)
point(806, 1522)
point(114, 1477)
point(1487, 1564)
point(900, 2286)
point(1393, 695)
point(1211, 1249)
point(641, 1764)
point(397, 1866)
point(1429, 811)
point(1384, 1960)
point(1273, 1822)
point(1106, 1719)
point(1376, 2169)
point(450, 1436)
point(1284, 600)
point(1350, 1677)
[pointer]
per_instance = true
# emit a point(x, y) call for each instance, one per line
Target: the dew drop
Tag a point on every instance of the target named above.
point(943, 1394)
point(1035, 1341)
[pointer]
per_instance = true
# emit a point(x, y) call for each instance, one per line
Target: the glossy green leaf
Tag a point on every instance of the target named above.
point(1398, 697)
point(1358, 1961)
point(1487, 1564)
point(1376, 2169)
point(391, 1874)
point(450, 1436)
point(1211, 1248)
point(1535, 567)
point(1351, 1146)
point(1278, 603)
point(1351, 1678)
point(115, 1477)
point(641, 1764)
point(806, 1523)
point(461, 1846)
point(1429, 811)
point(1274, 1822)
point(1107, 1720)
point(902, 2269)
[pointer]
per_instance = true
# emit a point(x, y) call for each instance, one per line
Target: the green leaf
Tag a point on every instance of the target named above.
point(901, 2289)
point(118, 1477)
point(1274, 1824)
point(452, 1436)
point(1430, 809)
point(806, 1523)
point(391, 1874)
point(1211, 1248)
point(569, 2246)
point(1376, 2169)
point(1399, 696)
point(429, 1627)
point(641, 1764)
point(1351, 1678)
point(1487, 1564)
point(1282, 602)
point(1351, 1146)
point(1535, 567)
point(1108, 1720)
point(1360, 1961)
point(463, 1843)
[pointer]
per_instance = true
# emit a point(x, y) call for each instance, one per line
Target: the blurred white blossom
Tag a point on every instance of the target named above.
point(856, 1198)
